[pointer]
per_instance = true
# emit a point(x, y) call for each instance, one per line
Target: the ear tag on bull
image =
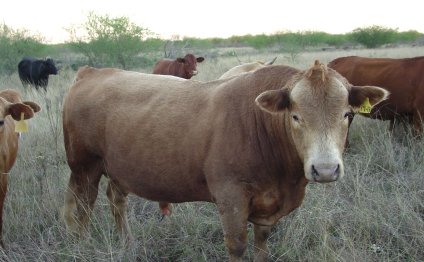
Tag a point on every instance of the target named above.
point(21, 126)
point(365, 107)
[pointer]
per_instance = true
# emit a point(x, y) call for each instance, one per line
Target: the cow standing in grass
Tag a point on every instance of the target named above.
point(36, 72)
point(403, 78)
point(185, 67)
point(249, 144)
point(11, 109)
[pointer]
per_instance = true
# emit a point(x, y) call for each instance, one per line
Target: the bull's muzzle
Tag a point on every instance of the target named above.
point(324, 173)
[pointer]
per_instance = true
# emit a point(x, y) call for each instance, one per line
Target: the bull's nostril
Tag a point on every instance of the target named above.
point(314, 171)
point(337, 172)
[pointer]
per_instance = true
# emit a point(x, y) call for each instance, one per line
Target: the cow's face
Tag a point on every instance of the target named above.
point(190, 64)
point(50, 67)
point(315, 106)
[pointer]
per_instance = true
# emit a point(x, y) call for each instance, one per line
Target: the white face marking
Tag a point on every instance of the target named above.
point(319, 128)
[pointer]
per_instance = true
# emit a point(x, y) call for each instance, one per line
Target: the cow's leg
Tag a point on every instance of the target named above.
point(118, 200)
point(417, 119)
point(233, 210)
point(84, 188)
point(3, 191)
point(261, 236)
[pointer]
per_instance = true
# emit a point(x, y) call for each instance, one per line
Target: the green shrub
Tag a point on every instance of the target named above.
point(373, 36)
point(15, 44)
point(109, 41)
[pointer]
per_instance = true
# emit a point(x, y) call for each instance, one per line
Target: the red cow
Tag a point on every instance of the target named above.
point(403, 78)
point(182, 67)
point(11, 108)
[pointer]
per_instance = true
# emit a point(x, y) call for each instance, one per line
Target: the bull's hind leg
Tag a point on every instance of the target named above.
point(80, 197)
point(118, 200)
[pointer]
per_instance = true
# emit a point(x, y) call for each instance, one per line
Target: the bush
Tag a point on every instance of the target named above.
point(373, 36)
point(109, 41)
point(16, 44)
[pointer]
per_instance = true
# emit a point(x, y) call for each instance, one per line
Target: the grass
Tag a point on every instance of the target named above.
point(374, 214)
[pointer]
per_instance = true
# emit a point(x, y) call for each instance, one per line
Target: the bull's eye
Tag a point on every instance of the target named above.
point(295, 118)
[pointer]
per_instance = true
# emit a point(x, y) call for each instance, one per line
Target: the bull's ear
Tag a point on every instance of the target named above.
point(16, 109)
point(35, 107)
point(358, 95)
point(274, 101)
point(200, 59)
point(181, 60)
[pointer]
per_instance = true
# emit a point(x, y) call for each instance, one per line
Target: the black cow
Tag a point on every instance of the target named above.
point(36, 72)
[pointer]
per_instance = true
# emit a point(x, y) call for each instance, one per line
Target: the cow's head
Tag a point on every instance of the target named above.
point(49, 67)
point(315, 106)
point(16, 109)
point(190, 64)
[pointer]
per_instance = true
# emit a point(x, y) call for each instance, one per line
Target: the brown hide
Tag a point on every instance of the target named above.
point(181, 67)
point(228, 141)
point(403, 78)
point(11, 107)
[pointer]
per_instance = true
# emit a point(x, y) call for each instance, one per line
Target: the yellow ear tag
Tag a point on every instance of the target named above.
point(21, 125)
point(365, 107)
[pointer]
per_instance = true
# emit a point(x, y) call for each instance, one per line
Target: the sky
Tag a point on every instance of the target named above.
point(217, 18)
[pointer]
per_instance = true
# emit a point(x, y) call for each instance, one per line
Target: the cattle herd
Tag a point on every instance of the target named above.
point(249, 141)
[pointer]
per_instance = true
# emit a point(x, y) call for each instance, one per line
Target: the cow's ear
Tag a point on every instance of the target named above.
point(16, 109)
point(35, 107)
point(274, 101)
point(358, 95)
point(181, 60)
point(200, 59)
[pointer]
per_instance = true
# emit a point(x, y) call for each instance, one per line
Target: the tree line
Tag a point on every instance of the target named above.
point(103, 40)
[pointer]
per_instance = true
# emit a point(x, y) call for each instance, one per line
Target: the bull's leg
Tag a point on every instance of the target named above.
point(118, 200)
point(233, 210)
point(84, 188)
point(261, 236)
point(417, 119)
point(3, 191)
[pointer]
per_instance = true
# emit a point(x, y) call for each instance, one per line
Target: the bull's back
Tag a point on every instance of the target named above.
point(140, 125)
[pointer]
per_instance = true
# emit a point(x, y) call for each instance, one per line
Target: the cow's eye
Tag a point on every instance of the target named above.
point(295, 118)
point(1, 122)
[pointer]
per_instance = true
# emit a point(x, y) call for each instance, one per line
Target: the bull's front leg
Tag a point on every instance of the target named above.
point(261, 236)
point(233, 210)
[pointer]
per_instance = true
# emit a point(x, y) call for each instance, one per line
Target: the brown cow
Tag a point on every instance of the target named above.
point(403, 78)
point(246, 67)
point(11, 108)
point(249, 144)
point(182, 67)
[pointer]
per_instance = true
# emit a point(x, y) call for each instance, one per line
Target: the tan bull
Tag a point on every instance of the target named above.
point(249, 144)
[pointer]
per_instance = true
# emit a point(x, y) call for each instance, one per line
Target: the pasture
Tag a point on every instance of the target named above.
point(375, 213)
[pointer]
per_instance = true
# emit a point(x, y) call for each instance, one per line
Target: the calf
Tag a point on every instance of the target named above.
point(36, 71)
point(182, 67)
point(11, 109)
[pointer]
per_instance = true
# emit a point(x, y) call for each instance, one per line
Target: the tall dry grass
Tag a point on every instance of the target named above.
point(374, 214)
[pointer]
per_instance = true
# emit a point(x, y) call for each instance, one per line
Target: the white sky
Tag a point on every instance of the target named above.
point(217, 18)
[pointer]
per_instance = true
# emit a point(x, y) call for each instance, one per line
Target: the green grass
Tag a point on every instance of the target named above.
point(375, 213)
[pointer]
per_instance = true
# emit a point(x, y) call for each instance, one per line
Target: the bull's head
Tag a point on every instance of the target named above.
point(315, 106)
